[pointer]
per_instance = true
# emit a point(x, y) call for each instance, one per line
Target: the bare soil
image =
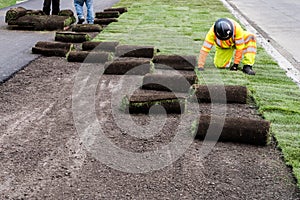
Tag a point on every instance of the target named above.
point(42, 156)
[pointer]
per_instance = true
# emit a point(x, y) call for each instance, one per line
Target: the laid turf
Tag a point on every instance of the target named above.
point(179, 27)
point(6, 3)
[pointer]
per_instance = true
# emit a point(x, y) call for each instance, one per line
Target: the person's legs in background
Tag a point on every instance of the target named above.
point(90, 11)
point(46, 7)
point(55, 7)
point(79, 10)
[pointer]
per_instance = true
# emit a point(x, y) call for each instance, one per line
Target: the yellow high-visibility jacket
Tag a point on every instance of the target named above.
point(236, 41)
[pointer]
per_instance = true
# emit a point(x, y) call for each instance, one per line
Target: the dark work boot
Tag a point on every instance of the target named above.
point(80, 20)
point(247, 69)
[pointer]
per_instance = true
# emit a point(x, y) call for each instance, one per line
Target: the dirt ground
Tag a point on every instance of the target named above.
point(44, 157)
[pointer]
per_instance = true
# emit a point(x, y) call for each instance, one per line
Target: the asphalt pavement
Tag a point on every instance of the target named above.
point(278, 21)
point(16, 45)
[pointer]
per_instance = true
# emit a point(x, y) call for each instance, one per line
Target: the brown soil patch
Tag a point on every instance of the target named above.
point(42, 156)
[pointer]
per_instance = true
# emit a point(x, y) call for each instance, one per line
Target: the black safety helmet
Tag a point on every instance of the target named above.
point(223, 29)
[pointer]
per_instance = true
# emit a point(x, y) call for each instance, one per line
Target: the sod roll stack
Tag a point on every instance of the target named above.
point(166, 82)
point(154, 102)
point(41, 22)
point(52, 48)
point(220, 93)
point(242, 130)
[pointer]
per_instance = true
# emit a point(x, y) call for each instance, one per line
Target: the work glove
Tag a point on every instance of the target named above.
point(234, 67)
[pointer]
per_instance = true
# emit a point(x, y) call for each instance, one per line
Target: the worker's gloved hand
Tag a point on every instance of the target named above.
point(200, 69)
point(234, 67)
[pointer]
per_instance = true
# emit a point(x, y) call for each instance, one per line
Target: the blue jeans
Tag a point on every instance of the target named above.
point(90, 10)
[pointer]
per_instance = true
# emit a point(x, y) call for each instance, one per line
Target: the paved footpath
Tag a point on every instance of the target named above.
point(277, 21)
point(16, 45)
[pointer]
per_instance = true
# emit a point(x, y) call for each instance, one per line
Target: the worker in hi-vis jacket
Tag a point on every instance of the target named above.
point(228, 37)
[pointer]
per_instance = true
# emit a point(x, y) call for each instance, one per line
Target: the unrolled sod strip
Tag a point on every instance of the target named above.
point(220, 93)
point(135, 51)
point(165, 82)
point(89, 57)
point(99, 46)
point(178, 62)
point(129, 66)
point(163, 102)
point(66, 36)
point(241, 130)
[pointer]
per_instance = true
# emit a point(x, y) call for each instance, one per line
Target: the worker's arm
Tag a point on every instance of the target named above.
point(206, 47)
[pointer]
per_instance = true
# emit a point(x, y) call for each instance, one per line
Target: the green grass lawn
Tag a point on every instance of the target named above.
point(6, 3)
point(179, 27)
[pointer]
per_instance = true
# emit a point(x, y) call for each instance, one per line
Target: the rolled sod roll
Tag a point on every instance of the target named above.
point(99, 46)
point(105, 21)
point(242, 130)
point(66, 12)
point(35, 12)
point(135, 51)
point(88, 57)
point(59, 52)
point(66, 36)
point(178, 62)
point(54, 45)
point(165, 82)
point(129, 66)
point(43, 22)
point(220, 93)
point(87, 28)
point(121, 10)
point(141, 102)
point(14, 13)
point(107, 14)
